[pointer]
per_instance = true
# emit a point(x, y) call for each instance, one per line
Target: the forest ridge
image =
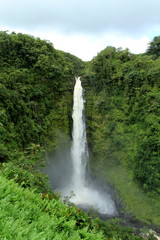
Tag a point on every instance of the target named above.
point(122, 108)
point(36, 90)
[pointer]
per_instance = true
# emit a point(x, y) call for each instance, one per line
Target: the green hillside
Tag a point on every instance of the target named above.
point(123, 98)
point(27, 215)
point(123, 116)
point(123, 132)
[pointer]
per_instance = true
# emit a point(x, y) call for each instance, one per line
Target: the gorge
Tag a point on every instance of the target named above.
point(121, 124)
point(84, 194)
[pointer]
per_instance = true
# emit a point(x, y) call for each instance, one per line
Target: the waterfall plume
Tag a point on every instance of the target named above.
point(84, 194)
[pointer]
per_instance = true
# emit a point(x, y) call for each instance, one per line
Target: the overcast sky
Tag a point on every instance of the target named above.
point(85, 27)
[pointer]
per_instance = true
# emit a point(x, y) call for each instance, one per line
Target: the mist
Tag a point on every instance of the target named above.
point(97, 193)
point(68, 168)
point(59, 167)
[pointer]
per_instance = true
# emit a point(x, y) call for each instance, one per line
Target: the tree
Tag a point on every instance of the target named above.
point(154, 47)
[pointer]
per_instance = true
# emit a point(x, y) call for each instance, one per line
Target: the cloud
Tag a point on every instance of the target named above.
point(87, 46)
point(82, 16)
point(84, 27)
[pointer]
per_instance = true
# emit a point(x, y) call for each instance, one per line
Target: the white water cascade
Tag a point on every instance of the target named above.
point(79, 151)
point(84, 195)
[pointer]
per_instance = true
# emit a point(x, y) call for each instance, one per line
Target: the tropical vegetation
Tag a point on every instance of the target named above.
point(122, 114)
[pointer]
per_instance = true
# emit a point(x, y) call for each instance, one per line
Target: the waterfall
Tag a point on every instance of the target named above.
point(85, 194)
point(79, 151)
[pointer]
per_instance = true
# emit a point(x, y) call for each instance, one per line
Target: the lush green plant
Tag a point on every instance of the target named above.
point(114, 228)
point(35, 81)
point(27, 215)
point(154, 47)
point(123, 113)
point(35, 103)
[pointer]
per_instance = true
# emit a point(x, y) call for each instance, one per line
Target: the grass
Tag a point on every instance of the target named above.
point(24, 215)
point(138, 203)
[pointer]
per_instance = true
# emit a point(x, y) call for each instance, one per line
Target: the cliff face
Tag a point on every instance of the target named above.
point(122, 95)
point(36, 92)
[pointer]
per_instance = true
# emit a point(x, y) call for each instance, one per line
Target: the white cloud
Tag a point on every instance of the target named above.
point(85, 27)
point(82, 16)
point(86, 47)
point(135, 45)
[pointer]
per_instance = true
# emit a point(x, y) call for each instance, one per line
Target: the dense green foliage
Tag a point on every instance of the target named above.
point(123, 112)
point(36, 83)
point(140, 205)
point(154, 47)
point(26, 215)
